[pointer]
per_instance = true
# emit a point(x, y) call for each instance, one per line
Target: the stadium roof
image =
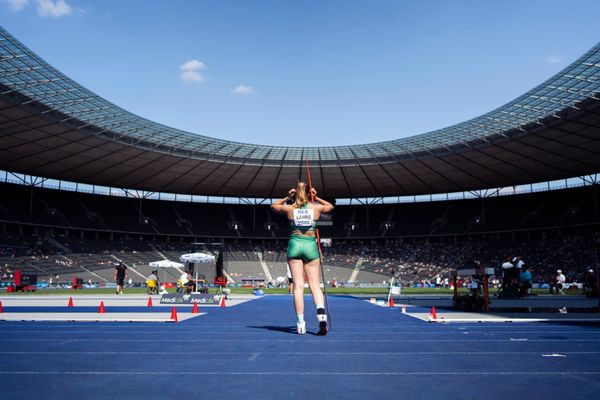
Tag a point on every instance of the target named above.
point(50, 126)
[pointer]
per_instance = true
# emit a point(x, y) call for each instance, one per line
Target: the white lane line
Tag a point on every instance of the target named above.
point(295, 340)
point(503, 325)
point(300, 353)
point(507, 320)
point(387, 327)
point(253, 356)
point(91, 319)
point(319, 373)
point(535, 333)
point(353, 333)
point(554, 355)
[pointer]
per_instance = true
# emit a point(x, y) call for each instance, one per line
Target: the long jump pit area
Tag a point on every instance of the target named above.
point(574, 309)
point(110, 308)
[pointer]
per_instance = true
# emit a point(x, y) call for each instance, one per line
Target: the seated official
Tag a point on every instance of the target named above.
point(526, 281)
point(187, 282)
point(558, 283)
point(152, 282)
point(507, 273)
point(474, 287)
point(590, 286)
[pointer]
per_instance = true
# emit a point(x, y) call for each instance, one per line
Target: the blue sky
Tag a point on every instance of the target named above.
point(306, 73)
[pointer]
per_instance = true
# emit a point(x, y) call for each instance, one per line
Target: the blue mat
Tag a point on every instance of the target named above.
point(251, 351)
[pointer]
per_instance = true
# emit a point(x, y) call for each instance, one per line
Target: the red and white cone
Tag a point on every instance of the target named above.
point(432, 315)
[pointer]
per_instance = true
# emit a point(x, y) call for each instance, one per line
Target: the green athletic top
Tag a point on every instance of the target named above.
point(311, 228)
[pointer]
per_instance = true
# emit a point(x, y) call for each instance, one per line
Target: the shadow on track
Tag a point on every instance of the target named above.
point(284, 329)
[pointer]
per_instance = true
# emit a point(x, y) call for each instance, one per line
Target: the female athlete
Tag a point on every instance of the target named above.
point(303, 252)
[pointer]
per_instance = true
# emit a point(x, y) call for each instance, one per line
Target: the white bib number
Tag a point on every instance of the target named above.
point(304, 217)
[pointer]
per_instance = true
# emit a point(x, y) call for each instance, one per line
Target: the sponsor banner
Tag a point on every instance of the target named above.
point(189, 298)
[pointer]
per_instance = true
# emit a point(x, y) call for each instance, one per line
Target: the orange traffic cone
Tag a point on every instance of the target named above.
point(433, 315)
point(195, 308)
point(149, 301)
point(392, 302)
point(222, 304)
point(0, 307)
point(174, 314)
point(101, 310)
point(70, 304)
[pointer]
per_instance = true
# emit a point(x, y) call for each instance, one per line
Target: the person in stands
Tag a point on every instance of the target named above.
point(303, 252)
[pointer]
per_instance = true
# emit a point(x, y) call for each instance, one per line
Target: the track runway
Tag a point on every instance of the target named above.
point(251, 351)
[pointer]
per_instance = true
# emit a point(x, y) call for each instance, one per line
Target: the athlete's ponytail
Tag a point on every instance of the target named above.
point(301, 194)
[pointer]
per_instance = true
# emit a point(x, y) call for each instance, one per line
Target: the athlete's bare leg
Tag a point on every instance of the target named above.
point(314, 280)
point(297, 269)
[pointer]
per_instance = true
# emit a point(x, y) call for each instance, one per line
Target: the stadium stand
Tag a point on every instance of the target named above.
point(414, 263)
point(61, 234)
point(102, 215)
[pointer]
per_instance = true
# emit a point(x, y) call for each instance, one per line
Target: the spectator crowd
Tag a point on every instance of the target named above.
point(412, 262)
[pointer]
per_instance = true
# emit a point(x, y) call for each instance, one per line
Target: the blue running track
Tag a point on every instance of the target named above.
point(251, 351)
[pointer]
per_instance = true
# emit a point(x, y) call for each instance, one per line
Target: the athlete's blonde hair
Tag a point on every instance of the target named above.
point(301, 194)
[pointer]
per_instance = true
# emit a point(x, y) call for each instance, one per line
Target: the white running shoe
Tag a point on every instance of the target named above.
point(301, 327)
point(322, 318)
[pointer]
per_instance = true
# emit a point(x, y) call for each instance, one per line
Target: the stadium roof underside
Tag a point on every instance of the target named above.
point(52, 127)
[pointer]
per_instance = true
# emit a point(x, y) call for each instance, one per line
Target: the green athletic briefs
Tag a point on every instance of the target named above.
point(303, 248)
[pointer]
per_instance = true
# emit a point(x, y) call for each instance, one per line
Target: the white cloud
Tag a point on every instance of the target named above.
point(49, 8)
point(191, 71)
point(554, 59)
point(17, 5)
point(192, 65)
point(191, 76)
point(242, 89)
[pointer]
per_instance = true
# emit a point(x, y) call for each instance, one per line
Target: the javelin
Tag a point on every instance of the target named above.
point(312, 200)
